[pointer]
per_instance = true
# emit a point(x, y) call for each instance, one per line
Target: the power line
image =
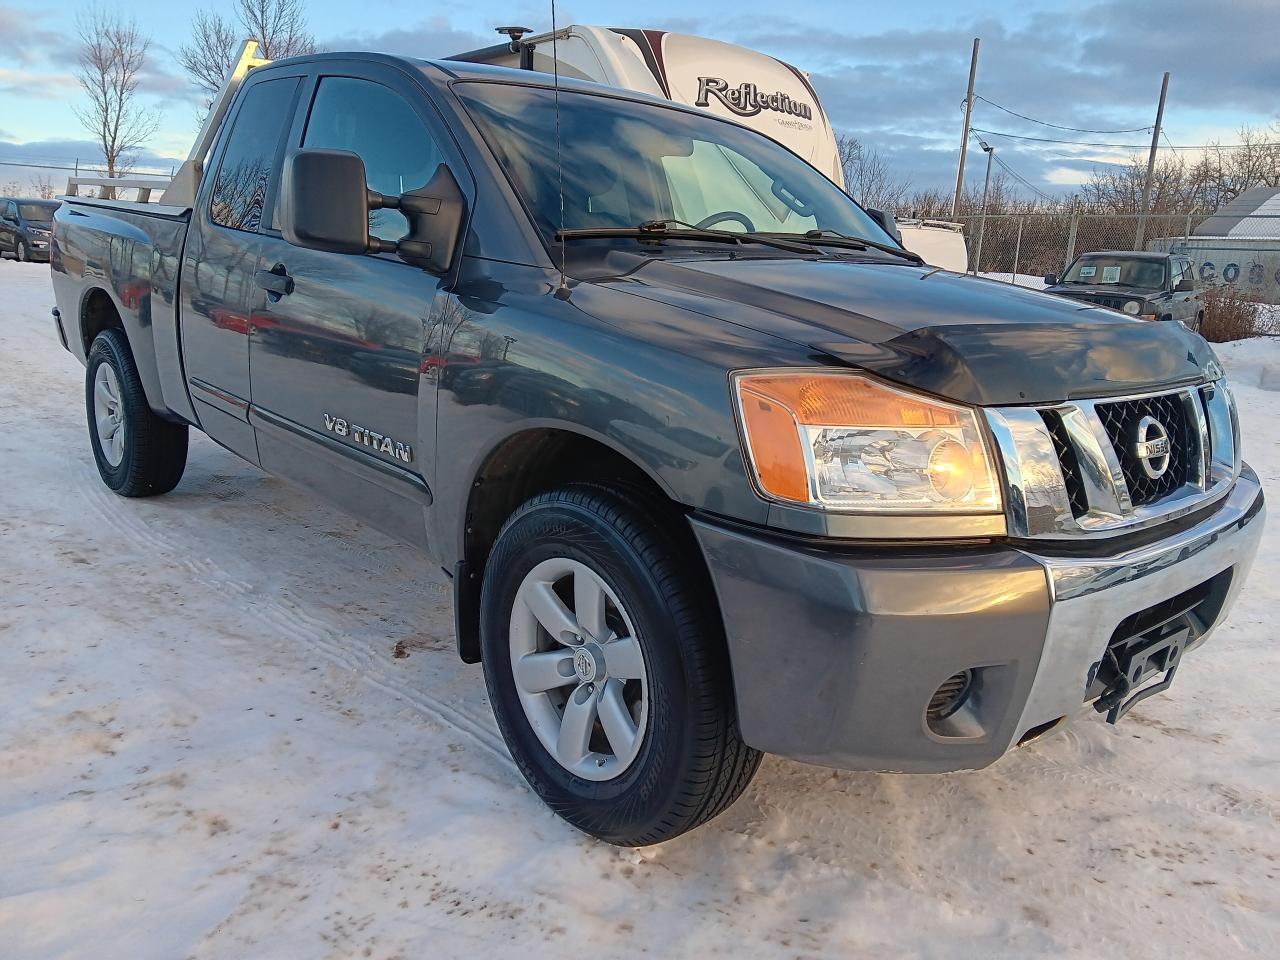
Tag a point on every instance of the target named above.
point(1058, 126)
point(83, 168)
point(1014, 173)
point(1124, 146)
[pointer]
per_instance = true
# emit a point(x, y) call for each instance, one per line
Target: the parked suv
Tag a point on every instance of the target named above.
point(25, 226)
point(1149, 286)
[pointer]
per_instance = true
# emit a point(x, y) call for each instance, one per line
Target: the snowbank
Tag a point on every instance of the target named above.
point(208, 749)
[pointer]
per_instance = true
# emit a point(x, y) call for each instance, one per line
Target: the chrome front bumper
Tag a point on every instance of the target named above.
point(1090, 597)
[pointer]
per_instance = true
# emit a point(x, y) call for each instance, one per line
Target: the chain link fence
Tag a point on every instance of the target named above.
point(1242, 251)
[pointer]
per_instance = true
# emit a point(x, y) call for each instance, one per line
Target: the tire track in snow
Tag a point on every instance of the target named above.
point(286, 615)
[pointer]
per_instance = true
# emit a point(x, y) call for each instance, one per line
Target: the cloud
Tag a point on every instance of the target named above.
point(433, 38)
point(45, 86)
point(23, 43)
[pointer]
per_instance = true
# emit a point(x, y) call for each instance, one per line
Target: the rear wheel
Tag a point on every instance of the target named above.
point(138, 453)
point(607, 669)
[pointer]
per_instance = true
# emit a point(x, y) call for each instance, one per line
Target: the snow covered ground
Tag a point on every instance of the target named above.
point(210, 748)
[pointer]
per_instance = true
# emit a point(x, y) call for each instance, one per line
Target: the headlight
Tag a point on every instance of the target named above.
point(844, 442)
point(1132, 307)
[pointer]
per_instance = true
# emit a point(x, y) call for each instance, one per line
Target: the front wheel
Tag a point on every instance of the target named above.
point(138, 453)
point(607, 669)
point(21, 253)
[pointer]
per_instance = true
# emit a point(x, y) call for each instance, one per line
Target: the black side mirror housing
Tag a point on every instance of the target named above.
point(436, 213)
point(887, 221)
point(324, 201)
point(1185, 285)
point(1050, 279)
point(326, 204)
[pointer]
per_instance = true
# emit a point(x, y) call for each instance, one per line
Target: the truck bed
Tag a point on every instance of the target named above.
point(130, 253)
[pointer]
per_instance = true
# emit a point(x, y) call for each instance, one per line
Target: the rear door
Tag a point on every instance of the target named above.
point(338, 391)
point(222, 252)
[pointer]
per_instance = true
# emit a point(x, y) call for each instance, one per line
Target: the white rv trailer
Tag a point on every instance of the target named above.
point(734, 82)
point(730, 81)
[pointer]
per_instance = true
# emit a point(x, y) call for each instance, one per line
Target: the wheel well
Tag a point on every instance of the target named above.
point(97, 313)
point(523, 466)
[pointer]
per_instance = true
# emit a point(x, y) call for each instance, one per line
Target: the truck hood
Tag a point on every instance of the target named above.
point(961, 337)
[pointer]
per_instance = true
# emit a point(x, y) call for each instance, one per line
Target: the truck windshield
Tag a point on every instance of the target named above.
point(1141, 272)
point(626, 163)
point(37, 212)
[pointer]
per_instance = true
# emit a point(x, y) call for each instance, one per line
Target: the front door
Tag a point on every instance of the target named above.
point(8, 225)
point(221, 257)
point(337, 384)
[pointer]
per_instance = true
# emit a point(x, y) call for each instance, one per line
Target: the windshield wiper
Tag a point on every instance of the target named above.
point(834, 238)
point(656, 231)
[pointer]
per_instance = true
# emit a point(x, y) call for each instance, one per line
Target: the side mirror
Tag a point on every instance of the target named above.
point(1185, 285)
point(324, 201)
point(1050, 279)
point(887, 221)
point(326, 204)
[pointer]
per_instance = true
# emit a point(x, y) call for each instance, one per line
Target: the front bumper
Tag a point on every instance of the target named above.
point(836, 652)
point(38, 248)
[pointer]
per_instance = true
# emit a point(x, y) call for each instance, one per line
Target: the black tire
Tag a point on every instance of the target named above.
point(692, 763)
point(155, 449)
point(21, 252)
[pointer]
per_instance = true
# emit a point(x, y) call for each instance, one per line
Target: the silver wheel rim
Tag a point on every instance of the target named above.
point(579, 670)
point(108, 414)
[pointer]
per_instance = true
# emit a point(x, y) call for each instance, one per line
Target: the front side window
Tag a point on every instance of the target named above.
point(380, 126)
point(248, 163)
point(625, 162)
point(1140, 272)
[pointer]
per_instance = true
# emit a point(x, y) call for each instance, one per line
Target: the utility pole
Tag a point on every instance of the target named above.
point(964, 132)
point(982, 218)
point(1151, 164)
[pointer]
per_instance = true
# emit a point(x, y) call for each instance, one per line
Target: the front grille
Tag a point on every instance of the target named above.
point(1115, 303)
point(1069, 461)
point(1121, 418)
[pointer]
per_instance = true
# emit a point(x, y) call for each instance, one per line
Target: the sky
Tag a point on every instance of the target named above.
point(893, 75)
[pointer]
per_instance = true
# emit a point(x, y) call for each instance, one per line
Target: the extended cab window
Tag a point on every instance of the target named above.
point(249, 161)
point(378, 124)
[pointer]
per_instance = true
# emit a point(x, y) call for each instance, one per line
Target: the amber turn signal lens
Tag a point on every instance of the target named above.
point(849, 401)
point(775, 446)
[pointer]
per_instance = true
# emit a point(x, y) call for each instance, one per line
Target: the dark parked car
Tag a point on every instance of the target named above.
point(1149, 286)
point(25, 226)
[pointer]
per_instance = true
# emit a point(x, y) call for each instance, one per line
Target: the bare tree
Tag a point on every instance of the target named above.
point(279, 26)
point(867, 177)
point(1225, 172)
point(113, 52)
point(43, 185)
point(1117, 188)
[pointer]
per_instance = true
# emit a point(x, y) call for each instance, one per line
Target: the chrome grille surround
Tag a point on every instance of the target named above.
point(1065, 478)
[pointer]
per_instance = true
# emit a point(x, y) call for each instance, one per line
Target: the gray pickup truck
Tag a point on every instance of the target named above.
point(715, 466)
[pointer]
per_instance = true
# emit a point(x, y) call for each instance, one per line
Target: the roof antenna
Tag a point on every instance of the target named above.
point(562, 291)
